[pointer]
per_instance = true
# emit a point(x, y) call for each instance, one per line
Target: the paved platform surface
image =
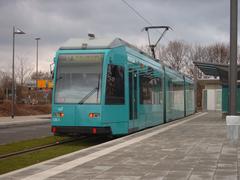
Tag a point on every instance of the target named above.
point(192, 148)
point(6, 122)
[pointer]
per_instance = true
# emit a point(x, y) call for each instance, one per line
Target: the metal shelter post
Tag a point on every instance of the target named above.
point(233, 57)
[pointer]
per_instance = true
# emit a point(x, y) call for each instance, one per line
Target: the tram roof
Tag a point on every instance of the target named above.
point(97, 43)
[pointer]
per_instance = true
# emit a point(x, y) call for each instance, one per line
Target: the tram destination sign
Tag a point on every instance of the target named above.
point(75, 58)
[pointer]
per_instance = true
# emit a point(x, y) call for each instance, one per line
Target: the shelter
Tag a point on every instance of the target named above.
point(221, 71)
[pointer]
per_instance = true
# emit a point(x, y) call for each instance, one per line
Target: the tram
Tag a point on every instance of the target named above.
point(114, 88)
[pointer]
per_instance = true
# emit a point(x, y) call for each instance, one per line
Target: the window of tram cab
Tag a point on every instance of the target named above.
point(115, 85)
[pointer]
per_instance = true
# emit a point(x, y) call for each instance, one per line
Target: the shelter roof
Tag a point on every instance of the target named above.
point(216, 70)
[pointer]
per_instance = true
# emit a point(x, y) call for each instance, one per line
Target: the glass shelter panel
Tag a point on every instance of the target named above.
point(189, 98)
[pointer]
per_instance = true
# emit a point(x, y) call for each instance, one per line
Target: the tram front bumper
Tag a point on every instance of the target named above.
point(83, 130)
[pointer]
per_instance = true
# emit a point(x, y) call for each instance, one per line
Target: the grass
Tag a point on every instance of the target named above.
point(23, 145)
point(21, 161)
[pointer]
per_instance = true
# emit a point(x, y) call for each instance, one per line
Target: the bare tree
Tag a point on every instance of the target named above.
point(5, 84)
point(197, 53)
point(180, 55)
point(176, 54)
point(23, 71)
point(218, 53)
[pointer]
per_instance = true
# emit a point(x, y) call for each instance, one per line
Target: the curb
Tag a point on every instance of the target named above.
point(23, 124)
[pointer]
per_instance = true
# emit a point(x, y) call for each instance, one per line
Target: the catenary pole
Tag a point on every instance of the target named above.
point(233, 57)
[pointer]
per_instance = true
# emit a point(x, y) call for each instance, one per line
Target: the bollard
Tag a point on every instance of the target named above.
point(233, 124)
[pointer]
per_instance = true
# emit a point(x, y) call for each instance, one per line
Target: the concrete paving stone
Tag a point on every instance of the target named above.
point(155, 175)
point(214, 149)
point(203, 169)
point(175, 157)
point(229, 151)
point(225, 172)
point(106, 176)
point(28, 172)
point(178, 175)
point(140, 162)
point(102, 168)
point(227, 160)
point(73, 177)
point(200, 177)
point(128, 178)
point(197, 175)
point(116, 175)
point(207, 164)
point(87, 172)
point(163, 167)
point(10, 178)
point(221, 166)
point(53, 178)
point(128, 170)
point(187, 164)
point(190, 159)
point(230, 177)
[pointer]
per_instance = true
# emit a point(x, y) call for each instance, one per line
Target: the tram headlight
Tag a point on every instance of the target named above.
point(59, 114)
point(93, 115)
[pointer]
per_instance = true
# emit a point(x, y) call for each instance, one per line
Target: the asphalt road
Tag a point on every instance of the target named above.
point(14, 134)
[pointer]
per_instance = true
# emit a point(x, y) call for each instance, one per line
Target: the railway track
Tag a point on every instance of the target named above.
point(40, 147)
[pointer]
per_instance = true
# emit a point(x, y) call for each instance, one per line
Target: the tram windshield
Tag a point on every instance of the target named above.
point(78, 78)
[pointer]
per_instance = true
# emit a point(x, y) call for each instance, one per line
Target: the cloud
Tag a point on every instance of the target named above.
point(56, 21)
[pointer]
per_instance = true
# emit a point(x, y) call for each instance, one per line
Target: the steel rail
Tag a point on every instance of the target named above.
point(39, 148)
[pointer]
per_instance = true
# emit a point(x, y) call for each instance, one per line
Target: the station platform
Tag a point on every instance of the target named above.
point(192, 148)
point(6, 122)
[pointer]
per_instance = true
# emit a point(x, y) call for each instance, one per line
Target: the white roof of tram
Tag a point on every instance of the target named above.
point(96, 43)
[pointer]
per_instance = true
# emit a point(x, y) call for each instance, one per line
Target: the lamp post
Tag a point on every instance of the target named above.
point(15, 31)
point(37, 39)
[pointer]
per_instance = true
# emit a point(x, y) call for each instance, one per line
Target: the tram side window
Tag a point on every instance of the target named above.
point(115, 85)
point(150, 90)
point(145, 90)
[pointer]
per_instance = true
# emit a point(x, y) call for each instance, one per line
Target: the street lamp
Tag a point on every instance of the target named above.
point(15, 31)
point(37, 39)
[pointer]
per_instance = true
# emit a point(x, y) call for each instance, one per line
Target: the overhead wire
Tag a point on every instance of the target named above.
point(139, 14)
point(136, 12)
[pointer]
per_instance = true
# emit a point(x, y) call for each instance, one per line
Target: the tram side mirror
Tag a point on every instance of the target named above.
point(52, 70)
point(52, 74)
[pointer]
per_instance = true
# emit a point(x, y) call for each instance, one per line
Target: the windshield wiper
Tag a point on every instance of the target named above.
point(88, 95)
point(59, 78)
point(91, 92)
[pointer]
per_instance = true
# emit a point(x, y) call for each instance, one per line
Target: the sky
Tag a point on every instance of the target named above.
point(55, 21)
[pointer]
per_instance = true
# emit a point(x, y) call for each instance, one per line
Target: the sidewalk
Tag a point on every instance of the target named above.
point(6, 122)
point(192, 148)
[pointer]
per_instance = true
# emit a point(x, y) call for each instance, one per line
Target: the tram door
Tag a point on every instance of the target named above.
point(133, 115)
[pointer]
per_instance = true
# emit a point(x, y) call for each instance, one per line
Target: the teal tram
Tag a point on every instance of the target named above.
point(115, 88)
